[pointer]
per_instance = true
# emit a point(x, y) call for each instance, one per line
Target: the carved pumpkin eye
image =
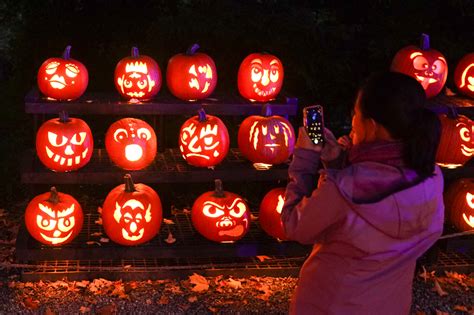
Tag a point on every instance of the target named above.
point(78, 138)
point(55, 140)
point(210, 210)
point(66, 224)
point(256, 72)
point(438, 66)
point(120, 134)
point(144, 134)
point(71, 70)
point(127, 83)
point(142, 84)
point(52, 67)
point(45, 224)
point(465, 134)
point(192, 70)
point(420, 63)
point(239, 210)
point(274, 75)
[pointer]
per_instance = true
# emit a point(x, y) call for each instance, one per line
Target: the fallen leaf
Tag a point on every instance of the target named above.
point(93, 242)
point(438, 289)
point(234, 284)
point(82, 284)
point(126, 267)
point(170, 239)
point(192, 299)
point(99, 209)
point(98, 221)
point(163, 300)
point(460, 308)
point(148, 301)
point(186, 211)
point(201, 283)
point(107, 309)
point(119, 290)
point(168, 221)
point(29, 303)
point(263, 258)
point(104, 240)
point(84, 309)
point(48, 311)
point(213, 309)
point(96, 234)
point(441, 313)
point(426, 275)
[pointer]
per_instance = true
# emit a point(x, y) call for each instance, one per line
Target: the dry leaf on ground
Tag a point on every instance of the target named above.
point(168, 221)
point(438, 289)
point(262, 258)
point(170, 239)
point(84, 309)
point(192, 299)
point(234, 284)
point(201, 283)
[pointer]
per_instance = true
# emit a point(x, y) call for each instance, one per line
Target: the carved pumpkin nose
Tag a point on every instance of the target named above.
point(57, 233)
point(133, 227)
point(133, 152)
point(68, 150)
point(265, 78)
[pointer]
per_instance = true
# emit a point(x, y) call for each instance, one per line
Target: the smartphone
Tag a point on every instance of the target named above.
point(313, 121)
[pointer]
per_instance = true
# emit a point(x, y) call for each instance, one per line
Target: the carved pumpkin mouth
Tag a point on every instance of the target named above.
point(272, 145)
point(135, 94)
point(57, 82)
point(262, 92)
point(69, 161)
point(424, 78)
point(55, 240)
point(466, 150)
point(469, 221)
point(133, 152)
point(132, 238)
point(235, 232)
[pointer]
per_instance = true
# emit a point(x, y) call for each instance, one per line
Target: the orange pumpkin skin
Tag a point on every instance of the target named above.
point(459, 203)
point(132, 213)
point(63, 78)
point(203, 140)
point(54, 218)
point(464, 75)
point(137, 77)
point(220, 216)
point(428, 66)
point(191, 76)
point(131, 143)
point(456, 145)
point(266, 139)
point(270, 211)
point(64, 144)
point(260, 77)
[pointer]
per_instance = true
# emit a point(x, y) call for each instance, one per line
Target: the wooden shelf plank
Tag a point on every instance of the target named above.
point(441, 104)
point(168, 167)
point(112, 104)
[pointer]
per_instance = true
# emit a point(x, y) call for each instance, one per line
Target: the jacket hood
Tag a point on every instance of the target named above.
point(391, 199)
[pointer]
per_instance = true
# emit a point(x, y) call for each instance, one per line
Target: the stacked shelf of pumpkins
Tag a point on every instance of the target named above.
point(132, 213)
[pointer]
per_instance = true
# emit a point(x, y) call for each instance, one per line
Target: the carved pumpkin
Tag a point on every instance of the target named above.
point(260, 77)
point(64, 144)
point(137, 77)
point(191, 76)
point(428, 66)
point(220, 216)
point(203, 140)
point(270, 211)
point(63, 78)
point(266, 139)
point(53, 218)
point(132, 213)
point(131, 143)
point(459, 203)
point(464, 75)
point(456, 145)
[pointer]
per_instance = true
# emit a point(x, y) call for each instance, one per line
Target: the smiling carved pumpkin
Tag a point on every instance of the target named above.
point(459, 203)
point(53, 218)
point(63, 78)
point(464, 75)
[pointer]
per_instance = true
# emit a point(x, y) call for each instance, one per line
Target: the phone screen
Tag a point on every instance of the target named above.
point(313, 121)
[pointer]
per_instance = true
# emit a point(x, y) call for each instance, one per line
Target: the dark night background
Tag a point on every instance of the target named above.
point(327, 47)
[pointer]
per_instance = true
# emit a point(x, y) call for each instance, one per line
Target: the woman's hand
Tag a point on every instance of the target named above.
point(304, 141)
point(332, 148)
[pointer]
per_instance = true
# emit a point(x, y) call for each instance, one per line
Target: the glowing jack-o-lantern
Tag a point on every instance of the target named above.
point(456, 145)
point(428, 66)
point(131, 143)
point(137, 77)
point(260, 77)
point(132, 213)
point(220, 216)
point(270, 212)
point(53, 218)
point(464, 75)
point(459, 204)
point(266, 139)
point(203, 140)
point(191, 76)
point(62, 78)
point(64, 144)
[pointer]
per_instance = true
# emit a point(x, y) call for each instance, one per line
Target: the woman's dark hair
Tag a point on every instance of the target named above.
point(397, 102)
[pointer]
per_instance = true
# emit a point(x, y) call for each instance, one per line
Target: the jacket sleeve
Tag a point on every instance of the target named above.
point(308, 212)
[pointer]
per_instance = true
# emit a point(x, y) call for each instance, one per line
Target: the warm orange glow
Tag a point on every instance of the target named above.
point(61, 224)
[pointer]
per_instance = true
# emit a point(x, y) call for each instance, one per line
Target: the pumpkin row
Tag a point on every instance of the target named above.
point(132, 215)
point(190, 76)
point(65, 144)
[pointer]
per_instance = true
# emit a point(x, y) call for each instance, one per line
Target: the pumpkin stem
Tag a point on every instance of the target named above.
point(63, 116)
point(192, 49)
point(67, 52)
point(202, 115)
point(218, 190)
point(266, 110)
point(425, 41)
point(53, 197)
point(129, 186)
point(135, 52)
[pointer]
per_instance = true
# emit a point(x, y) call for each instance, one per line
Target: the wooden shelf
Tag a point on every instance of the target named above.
point(441, 104)
point(112, 104)
point(168, 167)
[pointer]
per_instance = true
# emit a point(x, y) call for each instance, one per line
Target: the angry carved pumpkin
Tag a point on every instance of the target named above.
point(459, 203)
point(203, 140)
point(428, 66)
point(137, 77)
point(260, 77)
point(464, 75)
point(64, 144)
point(191, 76)
point(63, 78)
point(53, 218)
point(131, 143)
point(456, 145)
point(132, 213)
point(220, 216)
point(270, 212)
point(266, 139)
